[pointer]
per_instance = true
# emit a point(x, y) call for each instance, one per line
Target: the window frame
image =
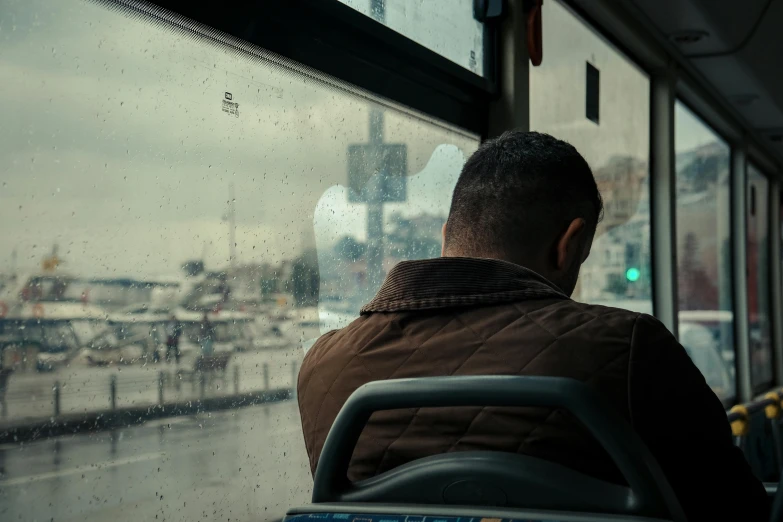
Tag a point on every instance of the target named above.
point(760, 388)
point(735, 310)
point(776, 282)
point(339, 41)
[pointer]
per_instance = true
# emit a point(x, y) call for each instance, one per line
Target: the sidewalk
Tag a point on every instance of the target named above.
point(31, 397)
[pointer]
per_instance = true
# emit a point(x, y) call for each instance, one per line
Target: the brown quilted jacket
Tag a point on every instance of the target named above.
point(460, 316)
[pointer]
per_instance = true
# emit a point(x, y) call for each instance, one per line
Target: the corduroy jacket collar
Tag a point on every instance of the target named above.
point(447, 282)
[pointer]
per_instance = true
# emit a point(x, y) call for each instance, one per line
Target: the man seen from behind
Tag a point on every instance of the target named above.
point(522, 221)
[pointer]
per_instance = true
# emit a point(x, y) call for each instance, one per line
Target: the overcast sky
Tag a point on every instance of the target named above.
point(115, 146)
point(120, 152)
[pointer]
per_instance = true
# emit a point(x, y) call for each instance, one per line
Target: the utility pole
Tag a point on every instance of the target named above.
point(378, 10)
point(376, 175)
point(375, 209)
point(375, 197)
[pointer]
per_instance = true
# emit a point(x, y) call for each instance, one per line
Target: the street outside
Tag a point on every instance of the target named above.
point(238, 465)
point(30, 395)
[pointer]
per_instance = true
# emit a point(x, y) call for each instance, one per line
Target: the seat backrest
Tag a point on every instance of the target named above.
point(487, 478)
point(493, 478)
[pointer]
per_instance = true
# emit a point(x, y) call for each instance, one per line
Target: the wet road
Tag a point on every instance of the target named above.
point(242, 465)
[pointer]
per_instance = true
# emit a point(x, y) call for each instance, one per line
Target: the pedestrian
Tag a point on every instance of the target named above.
point(206, 336)
point(153, 343)
point(173, 333)
point(5, 376)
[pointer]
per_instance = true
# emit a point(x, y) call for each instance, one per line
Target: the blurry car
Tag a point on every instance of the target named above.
point(702, 348)
point(720, 323)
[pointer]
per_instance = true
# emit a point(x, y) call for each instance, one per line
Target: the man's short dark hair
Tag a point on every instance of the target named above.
point(516, 191)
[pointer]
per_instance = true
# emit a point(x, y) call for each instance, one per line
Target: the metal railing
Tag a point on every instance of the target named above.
point(118, 392)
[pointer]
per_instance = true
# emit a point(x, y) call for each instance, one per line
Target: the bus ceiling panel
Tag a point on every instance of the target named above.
point(339, 41)
point(764, 162)
point(703, 26)
point(736, 47)
point(745, 91)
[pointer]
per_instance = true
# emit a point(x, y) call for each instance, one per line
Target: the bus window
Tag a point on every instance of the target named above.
point(145, 154)
point(616, 145)
point(703, 203)
point(760, 341)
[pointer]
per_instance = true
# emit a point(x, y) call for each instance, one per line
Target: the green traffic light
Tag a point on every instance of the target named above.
point(632, 274)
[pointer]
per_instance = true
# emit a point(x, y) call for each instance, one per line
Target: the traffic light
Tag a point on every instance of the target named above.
point(632, 262)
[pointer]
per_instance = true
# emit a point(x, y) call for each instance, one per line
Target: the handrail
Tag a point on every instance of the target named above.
point(771, 403)
point(739, 417)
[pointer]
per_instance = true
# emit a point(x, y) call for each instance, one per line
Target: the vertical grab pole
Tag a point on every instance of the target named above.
point(663, 199)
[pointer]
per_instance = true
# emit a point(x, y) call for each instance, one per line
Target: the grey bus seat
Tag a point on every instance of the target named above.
point(487, 478)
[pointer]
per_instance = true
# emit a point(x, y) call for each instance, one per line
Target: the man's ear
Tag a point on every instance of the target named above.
point(443, 241)
point(568, 246)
